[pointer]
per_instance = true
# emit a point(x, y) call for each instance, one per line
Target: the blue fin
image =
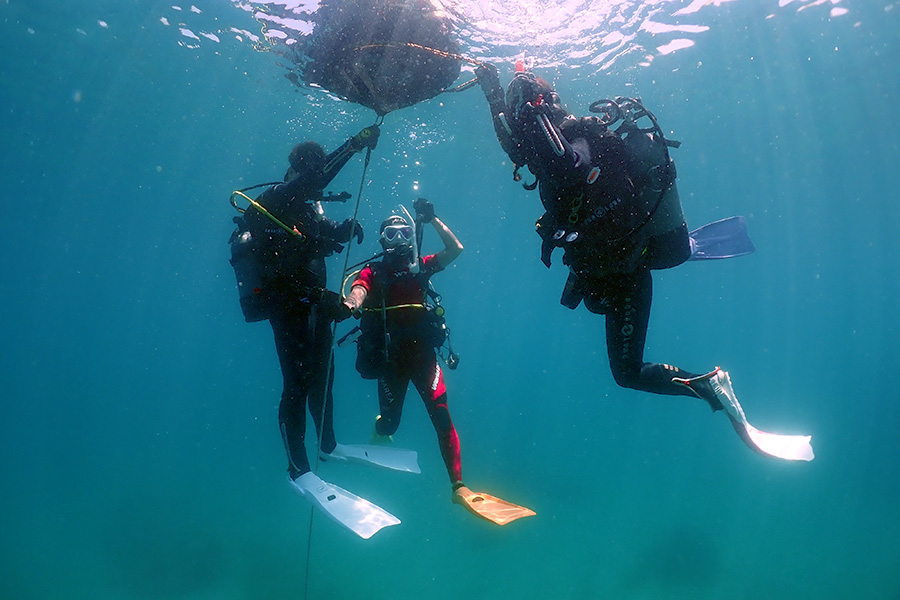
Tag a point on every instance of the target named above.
point(721, 239)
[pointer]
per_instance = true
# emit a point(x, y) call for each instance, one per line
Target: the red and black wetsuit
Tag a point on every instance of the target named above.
point(410, 351)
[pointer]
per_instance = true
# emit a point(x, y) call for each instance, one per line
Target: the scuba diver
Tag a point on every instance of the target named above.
point(612, 205)
point(399, 335)
point(278, 252)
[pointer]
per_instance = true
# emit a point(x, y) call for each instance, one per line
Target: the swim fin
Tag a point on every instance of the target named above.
point(727, 238)
point(785, 447)
point(348, 510)
point(396, 459)
point(488, 507)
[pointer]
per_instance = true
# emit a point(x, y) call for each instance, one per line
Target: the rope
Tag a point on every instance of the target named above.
point(436, 52)
point(362, 183)
point(328, 373)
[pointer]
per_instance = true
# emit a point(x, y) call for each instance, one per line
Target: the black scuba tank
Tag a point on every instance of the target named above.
point(249, 272)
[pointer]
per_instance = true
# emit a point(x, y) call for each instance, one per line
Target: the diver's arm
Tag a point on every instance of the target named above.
point(489, 80)
point(342, 232)
point(356, 298)
point(452, 246)
point(334, 162)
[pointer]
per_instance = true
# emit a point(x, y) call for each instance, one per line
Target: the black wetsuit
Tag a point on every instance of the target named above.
point(599, 211)
point(294, 281)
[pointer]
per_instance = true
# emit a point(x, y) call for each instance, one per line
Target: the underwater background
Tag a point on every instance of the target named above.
point(139, 448)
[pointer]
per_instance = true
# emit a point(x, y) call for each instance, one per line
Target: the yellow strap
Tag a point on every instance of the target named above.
point(396, 306)
point(262, 209)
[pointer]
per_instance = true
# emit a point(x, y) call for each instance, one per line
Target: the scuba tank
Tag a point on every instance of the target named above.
point(249, 271)
point(651, 169)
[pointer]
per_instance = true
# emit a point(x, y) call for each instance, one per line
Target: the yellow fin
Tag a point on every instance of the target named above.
point(489, 507)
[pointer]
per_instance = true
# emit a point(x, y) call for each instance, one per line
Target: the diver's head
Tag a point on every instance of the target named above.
point(305, 157)
point(526, 87)
point(397, 237)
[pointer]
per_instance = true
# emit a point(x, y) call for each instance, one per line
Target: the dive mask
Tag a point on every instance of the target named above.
point(397, 235)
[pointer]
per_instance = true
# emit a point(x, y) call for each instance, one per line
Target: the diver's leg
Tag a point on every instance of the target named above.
point(320, 365)
point(291, 343)
point(627, 316)
point(429, 381)
point(391, 393)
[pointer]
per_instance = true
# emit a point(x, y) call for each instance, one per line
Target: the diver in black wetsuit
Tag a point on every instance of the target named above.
point(612, 205)
point(286, 253)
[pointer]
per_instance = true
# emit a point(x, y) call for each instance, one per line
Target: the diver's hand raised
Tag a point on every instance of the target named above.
point(424, 209)
point(367, 138)
point(488, 75)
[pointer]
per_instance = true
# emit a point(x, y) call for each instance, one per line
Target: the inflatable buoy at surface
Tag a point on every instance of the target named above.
point(382, 54)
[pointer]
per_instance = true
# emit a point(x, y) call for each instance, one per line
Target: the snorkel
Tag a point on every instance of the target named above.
point(414, 255)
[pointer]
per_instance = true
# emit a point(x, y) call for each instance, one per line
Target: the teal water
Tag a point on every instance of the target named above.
point(139, 452)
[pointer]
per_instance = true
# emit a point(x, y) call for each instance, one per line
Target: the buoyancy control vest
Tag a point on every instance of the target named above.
point(606, 222)
point(273, 266)
point(388, 329)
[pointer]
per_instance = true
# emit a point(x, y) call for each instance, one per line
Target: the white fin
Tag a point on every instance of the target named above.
point(786, 447)
point(396, 459)
point(344, 508)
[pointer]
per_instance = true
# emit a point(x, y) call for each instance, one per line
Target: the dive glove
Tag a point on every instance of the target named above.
point(333, 306)
point(349, 229)
point(367, 138)
point(424, 209)
point(488, 76)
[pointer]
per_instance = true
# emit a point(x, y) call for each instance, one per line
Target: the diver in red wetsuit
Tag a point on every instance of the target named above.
point(400, 334)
